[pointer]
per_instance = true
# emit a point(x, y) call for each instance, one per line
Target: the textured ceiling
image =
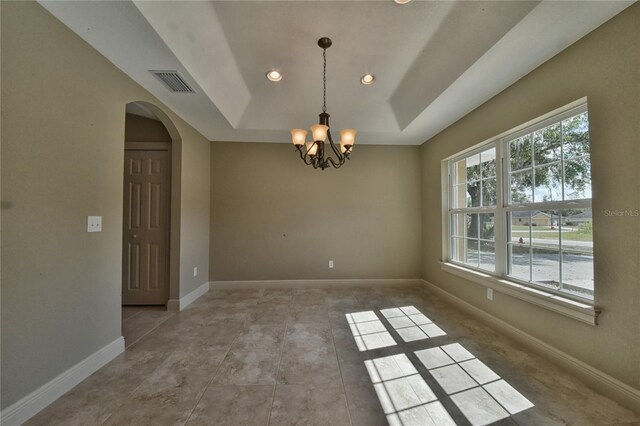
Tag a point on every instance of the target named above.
point(433, 61)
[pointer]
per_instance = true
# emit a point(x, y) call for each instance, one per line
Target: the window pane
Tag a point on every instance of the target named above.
point(577, 178)
point(486, 224)
point(487, 256)
point(465, 250)
point(547, 145)
point(519, 266)
point(472, 257)
point(458, 249)
point(520, 153)
point(488, 158)
point(545, 232)
point(575, 135)
point(473, 168)
point(459, 224)
point(522, 187)
point(473, 194)
point(546, 267)
point(577, 273)
point(548, 183)
point(459, 196)
point(466, 225)
point(489, 192)
point(471, 221)
point(520, 227)
point(458, 172)
point(577, 255)
point(577, 229)
point(577, 225)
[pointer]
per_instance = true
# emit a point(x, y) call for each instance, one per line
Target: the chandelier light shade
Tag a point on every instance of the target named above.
point(312, 148)
point(298, 136)
point(313, 153)
point(347, 137)
point(319, 132)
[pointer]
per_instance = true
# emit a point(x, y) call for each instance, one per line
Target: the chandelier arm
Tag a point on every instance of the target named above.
point(333, 146)
point(334, 164)
point(310, 161)
point(304, 156)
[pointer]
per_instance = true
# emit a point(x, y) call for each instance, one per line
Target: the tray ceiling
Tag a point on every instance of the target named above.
point(434, 61)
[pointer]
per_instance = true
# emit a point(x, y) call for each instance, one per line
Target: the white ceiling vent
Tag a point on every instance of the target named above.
point(173, 81)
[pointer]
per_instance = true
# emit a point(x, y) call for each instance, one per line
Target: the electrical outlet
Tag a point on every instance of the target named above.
point(331, 264)
point(94, 223)
point(490, 293)
point(195, 271)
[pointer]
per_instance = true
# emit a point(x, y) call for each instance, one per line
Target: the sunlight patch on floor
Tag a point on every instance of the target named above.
point(480, 394)
point(411, 324)
point(405, 397)
point(368, 331)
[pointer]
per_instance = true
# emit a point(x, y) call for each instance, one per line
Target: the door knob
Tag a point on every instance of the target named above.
point(134, 236)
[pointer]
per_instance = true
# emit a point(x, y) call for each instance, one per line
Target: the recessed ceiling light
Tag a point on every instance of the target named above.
point(367, 79)
point(402, 1)
point(274, 75)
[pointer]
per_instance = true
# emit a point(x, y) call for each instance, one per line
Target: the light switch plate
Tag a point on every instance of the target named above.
point(490, 293)
point(195, 271)
point(331, 264)
point(94, 223)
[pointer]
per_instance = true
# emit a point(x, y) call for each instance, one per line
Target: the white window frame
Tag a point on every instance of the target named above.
point(564, 303)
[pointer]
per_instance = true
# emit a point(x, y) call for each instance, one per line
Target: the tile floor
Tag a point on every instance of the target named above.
point(137, 321)
point(351, 356)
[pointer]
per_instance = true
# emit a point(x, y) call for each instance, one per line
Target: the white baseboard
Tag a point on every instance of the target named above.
point(183, 302)
point(36, 401)
point(334, 283)
point(609, 386)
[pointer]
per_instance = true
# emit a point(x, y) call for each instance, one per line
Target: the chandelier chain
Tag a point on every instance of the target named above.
point(324, 81)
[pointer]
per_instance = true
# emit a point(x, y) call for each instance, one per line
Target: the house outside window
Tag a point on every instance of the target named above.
point(519, 206)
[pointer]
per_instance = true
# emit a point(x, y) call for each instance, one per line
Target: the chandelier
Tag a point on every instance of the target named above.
point(313, 152)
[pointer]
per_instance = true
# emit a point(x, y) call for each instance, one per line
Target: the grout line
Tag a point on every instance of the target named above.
point(284, 338)
point(214, 374)
point(148, 331)
point(129, 348)
point(133, 391)
point(344, 389)
point(136, 313)
point(273, 397)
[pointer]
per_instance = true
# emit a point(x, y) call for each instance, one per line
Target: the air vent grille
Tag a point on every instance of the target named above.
point(173, 81)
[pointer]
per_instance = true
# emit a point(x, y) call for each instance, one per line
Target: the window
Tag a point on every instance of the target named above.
point(520, 206)
point(473, 204)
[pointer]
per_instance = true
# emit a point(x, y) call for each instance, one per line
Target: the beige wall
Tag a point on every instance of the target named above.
point(605, 67)
point(63, 125)
point(194, 214)
point(274, 218)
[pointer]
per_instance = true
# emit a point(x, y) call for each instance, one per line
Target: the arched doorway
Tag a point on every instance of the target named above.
point(151, 209)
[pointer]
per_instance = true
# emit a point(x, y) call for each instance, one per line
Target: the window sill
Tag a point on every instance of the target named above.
point(564, 306)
